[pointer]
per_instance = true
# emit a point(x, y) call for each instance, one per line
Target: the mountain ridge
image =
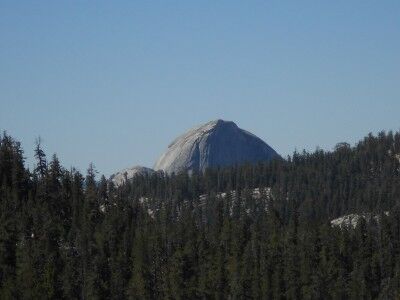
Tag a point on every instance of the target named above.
point(216, 143)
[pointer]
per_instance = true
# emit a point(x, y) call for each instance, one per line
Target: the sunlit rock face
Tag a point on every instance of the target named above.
point(352, 220)
point(215, 144)
point(122, 176)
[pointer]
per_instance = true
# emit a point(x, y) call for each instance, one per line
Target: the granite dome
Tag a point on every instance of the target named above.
point(121, 177)
point(216, 143)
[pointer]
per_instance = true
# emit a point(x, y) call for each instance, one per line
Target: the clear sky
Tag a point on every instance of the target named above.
point(113, 82)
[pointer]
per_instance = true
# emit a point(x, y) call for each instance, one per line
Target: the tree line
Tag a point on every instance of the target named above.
point(67, 235)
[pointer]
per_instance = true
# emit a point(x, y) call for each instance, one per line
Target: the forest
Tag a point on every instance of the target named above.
point(244, 232)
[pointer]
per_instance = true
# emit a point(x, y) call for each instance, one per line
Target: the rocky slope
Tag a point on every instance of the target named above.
point(352, 220)
point(129, 173)
point(216, 143)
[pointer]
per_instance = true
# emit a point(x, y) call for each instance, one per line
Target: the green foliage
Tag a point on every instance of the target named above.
point(204, 236)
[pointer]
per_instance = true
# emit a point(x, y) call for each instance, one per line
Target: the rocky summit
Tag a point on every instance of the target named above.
point(120, 177)
point(215, 144)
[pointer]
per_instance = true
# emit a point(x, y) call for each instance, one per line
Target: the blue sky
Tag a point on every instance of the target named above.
point(113, 82)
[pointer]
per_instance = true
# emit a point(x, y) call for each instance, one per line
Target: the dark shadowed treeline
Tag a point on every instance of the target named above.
point(64, 235)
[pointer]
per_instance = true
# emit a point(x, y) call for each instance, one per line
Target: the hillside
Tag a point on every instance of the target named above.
point(252, 231)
